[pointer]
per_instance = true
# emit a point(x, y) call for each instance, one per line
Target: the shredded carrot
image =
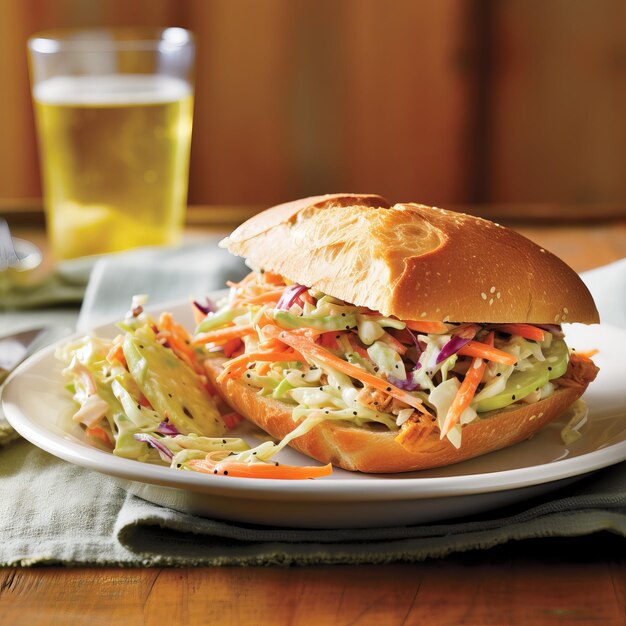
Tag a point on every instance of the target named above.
point(222, 335)
point(266, 296)
point(232, 347)
point(244, 281)
point(357, 348)
point(588, 354)
point(198, 314)
point(235, 367)
point(179, 341)
point(308, 347)
point(466, 391)
point(435, 328)
point(232, 419)
point(308, 297)
point(271, 278)
point(261, 470)
point(312, 333)
point(464, 395)
point(116, 353)
point(180, 346)
point(482, 350)
point(328, 340)
point(184, 354)
point(166, 321)
point(144, 401)
point(467, 331)
point(272, 344)
point(97, 432)
point(527, 331)
point(390, 340)
point(261, 318)
point(263, 368)
point(175, 333)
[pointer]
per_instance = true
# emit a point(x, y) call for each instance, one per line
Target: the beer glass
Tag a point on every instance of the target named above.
point(114, 111)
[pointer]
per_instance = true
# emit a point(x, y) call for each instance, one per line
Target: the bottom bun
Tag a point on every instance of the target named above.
point(375, 450)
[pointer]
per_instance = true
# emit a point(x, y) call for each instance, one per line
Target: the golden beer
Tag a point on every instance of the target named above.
point(115, 158)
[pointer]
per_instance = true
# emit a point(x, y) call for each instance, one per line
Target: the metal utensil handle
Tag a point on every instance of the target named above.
point(8, 256)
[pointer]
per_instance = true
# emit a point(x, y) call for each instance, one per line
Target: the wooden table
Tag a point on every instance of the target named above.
point(547, 581)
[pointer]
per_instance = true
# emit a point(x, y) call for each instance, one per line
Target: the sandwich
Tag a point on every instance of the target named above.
point(389, 339)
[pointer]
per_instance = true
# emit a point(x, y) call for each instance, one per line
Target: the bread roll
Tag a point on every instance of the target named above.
point(413, 261)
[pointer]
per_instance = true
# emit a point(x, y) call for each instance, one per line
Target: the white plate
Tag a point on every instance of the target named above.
point(36, 404)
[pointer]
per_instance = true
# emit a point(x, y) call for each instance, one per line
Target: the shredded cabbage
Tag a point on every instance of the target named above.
point(571, 431)
point(387, 359)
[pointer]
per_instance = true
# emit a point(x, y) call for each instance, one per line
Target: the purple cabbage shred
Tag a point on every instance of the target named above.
point(418, 347)
point(165, 453)
point(208, 307)
point(408, 385)
point(167, 428)
point(290, 295)
point(554, 329)
point(451, 347)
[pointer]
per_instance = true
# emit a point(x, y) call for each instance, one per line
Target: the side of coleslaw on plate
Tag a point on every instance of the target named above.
point(144, 396)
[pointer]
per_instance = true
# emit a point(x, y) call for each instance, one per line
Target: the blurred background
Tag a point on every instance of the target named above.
point(444, 102)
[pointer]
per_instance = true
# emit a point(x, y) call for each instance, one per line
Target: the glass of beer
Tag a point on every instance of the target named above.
point(114, 115)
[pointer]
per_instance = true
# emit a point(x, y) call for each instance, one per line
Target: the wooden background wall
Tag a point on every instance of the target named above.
point(444, 101)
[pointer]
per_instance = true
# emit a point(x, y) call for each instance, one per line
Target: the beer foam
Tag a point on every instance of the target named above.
point(111, 89)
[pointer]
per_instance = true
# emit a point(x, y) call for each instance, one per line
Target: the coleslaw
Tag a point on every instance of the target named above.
point(143, 395)
point(332, 360)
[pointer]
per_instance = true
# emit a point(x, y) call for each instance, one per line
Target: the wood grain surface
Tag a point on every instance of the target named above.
point(540, 583)
point(441, 102)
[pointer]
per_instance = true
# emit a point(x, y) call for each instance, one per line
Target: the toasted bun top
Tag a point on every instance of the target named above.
point(413, 261)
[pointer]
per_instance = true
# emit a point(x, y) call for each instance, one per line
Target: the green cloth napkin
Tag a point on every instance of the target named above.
point(63, 286)
point(55, 289)
point(60, 513)
point(165, 274)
